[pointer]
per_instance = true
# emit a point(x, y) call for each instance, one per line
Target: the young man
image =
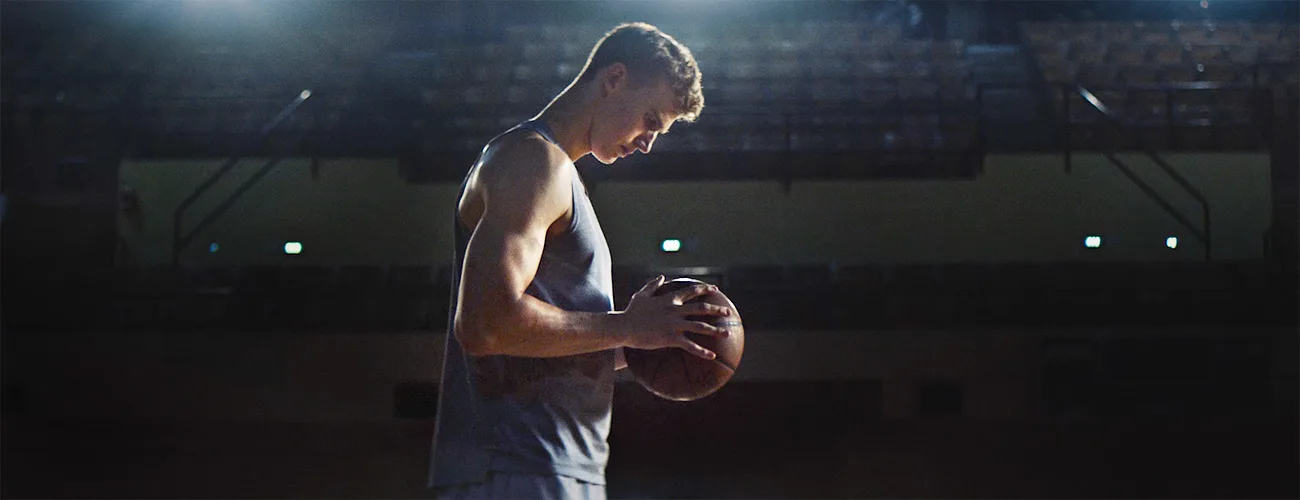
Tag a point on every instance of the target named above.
point(528, 380)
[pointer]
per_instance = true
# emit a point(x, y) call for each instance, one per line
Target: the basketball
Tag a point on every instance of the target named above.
point(677, 375)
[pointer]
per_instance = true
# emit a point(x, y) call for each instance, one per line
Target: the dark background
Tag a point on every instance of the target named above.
point(127, 373)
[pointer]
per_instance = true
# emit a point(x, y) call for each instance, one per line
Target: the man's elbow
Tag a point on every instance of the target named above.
point(485, 328)
point(474, 340)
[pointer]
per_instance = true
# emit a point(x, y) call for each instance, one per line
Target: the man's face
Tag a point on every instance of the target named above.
point(630, 116)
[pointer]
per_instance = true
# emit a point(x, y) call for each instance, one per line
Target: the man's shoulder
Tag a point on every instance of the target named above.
point(522, 152)
point(523, 145)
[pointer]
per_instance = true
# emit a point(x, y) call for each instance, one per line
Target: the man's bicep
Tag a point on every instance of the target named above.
point(503, 254)
point(521, 203)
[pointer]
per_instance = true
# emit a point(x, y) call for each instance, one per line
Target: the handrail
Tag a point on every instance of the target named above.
point(179, 240)
point(1129, 86)
point(1177, 86)
point(1203, 235)
point(1155, 196)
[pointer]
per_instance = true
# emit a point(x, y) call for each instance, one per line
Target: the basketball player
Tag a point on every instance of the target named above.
point(527, 385)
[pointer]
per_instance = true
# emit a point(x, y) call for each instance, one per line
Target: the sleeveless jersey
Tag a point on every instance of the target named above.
point(532, 415)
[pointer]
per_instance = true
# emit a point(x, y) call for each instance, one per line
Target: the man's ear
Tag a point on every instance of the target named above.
point(613, 77)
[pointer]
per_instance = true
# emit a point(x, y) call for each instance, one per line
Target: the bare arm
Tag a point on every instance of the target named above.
point(526, 187)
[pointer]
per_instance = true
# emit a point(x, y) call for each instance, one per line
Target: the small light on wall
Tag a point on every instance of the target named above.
point(1171, 242)
point(1092, 242)
point(213, 247)
point(293, 248)
point(671, 245)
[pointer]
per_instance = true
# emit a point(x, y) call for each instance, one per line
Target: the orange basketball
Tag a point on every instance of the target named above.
point(675, 374)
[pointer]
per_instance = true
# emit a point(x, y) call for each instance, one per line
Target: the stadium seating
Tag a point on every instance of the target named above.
point(786, 85)
point(755, 87)
point(1115, 57)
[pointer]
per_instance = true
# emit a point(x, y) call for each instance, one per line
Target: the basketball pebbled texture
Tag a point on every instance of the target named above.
point(674, 374)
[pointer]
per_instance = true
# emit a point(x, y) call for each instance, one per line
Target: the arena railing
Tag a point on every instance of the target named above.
point(1066, 127)
point(1061, 104)
point(181, 238)
point(1202, 234)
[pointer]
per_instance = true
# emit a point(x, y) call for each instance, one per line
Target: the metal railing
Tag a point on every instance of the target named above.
point(1066, 125)
point(181, 238)
point(1201, 234)
point(1252, 119)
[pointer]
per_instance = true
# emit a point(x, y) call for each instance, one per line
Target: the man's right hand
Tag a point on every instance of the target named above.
point(660, 321)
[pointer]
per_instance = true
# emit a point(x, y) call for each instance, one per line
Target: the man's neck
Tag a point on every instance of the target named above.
point(569, 121)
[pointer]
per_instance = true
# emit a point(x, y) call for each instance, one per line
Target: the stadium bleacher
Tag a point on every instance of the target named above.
point(789, 86)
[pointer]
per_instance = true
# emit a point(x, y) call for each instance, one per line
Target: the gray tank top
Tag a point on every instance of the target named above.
point(532, 415)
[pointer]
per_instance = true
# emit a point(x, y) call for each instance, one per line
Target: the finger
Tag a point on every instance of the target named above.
point(686, 294)
point(705, 309)
point(696, 349)
point(652, 285)
point(703, 328)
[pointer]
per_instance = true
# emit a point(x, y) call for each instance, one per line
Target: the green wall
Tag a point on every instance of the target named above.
point(1024, 208)
point(351, 212)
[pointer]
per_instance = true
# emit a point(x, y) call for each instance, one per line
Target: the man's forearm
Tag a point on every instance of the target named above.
point(532, 328)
